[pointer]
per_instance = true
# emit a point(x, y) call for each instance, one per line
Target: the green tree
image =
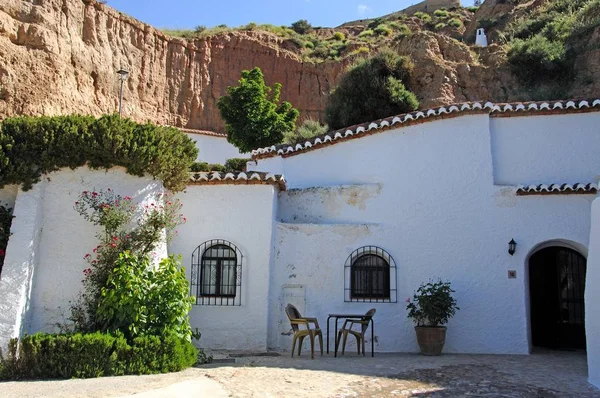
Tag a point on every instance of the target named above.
point(253, 115)
point(372, 88)
point(301, 27)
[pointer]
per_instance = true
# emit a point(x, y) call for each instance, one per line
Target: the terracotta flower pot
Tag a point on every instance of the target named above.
point(431, 339)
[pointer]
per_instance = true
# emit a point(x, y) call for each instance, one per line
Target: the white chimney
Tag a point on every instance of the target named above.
point(481, 39)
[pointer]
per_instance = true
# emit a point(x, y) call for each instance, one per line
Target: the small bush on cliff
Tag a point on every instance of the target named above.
point(33, 146)
point(253, 114)
point(542, 46)
point(371, 89)
point(301, 26)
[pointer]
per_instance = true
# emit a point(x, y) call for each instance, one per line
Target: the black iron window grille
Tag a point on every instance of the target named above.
point(370, 276)
point(216, 276)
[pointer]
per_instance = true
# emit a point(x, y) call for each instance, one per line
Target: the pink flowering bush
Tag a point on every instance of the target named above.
point(126, 227)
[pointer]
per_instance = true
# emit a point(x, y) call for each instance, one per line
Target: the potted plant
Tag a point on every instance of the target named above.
point(431, 307)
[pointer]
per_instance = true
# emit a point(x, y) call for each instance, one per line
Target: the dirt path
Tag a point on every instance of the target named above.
point(402, 375)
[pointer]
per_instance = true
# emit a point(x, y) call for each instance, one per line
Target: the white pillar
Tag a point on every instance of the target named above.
point(481, 39)
point(592, 298)
point(19, 263)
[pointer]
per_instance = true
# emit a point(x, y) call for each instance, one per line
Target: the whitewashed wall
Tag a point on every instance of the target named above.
point(44, 264)
point(243, 215)
point(592, 298)
point(546, 149)
point(425, 194)
point(213, 149)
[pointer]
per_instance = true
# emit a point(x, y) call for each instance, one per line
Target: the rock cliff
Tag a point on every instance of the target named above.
point(60, 56)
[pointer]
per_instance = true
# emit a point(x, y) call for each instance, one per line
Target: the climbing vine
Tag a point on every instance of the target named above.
point(33, 146)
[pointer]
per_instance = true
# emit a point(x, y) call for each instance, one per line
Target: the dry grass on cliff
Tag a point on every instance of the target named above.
point(320, 44)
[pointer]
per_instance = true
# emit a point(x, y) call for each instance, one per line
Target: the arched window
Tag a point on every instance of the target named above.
point(370, 276)
point(216, 277)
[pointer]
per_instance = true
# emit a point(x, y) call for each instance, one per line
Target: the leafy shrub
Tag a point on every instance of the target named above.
point(440, 26)
point(432, 304)
point(539, 59)
point(472, 9)
point(253, 114)
point(65, 356)
point(423, 17)
point(371, 89)
point(114, 214)
point(441, 13)
point(310, 45)
point(308, 129)
point(301, 26)
point(6, 218)
point(139, 299)
point(339, 36)
point(383, 30)
point(236, 164)
point(455, 22)
point(199, 29)
point(33, 146)
point(366, 33)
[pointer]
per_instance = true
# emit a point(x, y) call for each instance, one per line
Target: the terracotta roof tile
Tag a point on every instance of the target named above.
point(557, 189)
point(442, 112)
point(237, 178)
point(202, 132)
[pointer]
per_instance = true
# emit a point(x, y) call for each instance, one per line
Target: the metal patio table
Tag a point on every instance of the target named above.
point(349, 316)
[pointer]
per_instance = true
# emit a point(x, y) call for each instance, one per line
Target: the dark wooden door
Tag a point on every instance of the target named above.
point(556, 289)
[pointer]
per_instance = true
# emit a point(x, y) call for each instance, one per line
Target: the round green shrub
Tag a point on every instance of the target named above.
point(441, 13)
point(455, 22)
point(423, 17)
point(383, 30)
point(366, 33)
point(371, 89)
point(440, 26)
point(339, 36)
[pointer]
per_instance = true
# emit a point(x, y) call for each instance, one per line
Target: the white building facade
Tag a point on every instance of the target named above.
point(436, 194)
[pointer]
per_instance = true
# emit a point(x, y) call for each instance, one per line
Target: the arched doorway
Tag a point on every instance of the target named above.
point(556, 291)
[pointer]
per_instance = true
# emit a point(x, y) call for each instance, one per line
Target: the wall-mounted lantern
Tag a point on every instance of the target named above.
point(512, 246)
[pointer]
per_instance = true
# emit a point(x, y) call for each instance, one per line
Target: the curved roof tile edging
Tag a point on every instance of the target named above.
point(237, 178)
point(557, 189)
point(448, 111)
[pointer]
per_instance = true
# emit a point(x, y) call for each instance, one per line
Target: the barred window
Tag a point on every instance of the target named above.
point(217, 273)
point(370, 276)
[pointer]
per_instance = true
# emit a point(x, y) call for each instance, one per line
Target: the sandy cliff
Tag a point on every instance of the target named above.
point(60, 56)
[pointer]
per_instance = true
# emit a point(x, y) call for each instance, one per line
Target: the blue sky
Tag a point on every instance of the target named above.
point(191, 13)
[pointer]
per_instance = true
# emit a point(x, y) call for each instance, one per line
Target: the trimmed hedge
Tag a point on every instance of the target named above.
point(63, 356)
point(33, 146)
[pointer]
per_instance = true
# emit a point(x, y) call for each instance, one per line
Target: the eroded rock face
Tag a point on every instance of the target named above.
point(60, 56)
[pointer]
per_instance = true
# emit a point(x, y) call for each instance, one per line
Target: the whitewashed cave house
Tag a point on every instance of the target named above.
point(432, 194)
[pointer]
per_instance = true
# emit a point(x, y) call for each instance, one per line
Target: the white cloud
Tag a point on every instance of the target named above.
point(363, 10)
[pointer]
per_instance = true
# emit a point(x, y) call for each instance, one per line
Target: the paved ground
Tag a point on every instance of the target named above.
point(545, 375)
